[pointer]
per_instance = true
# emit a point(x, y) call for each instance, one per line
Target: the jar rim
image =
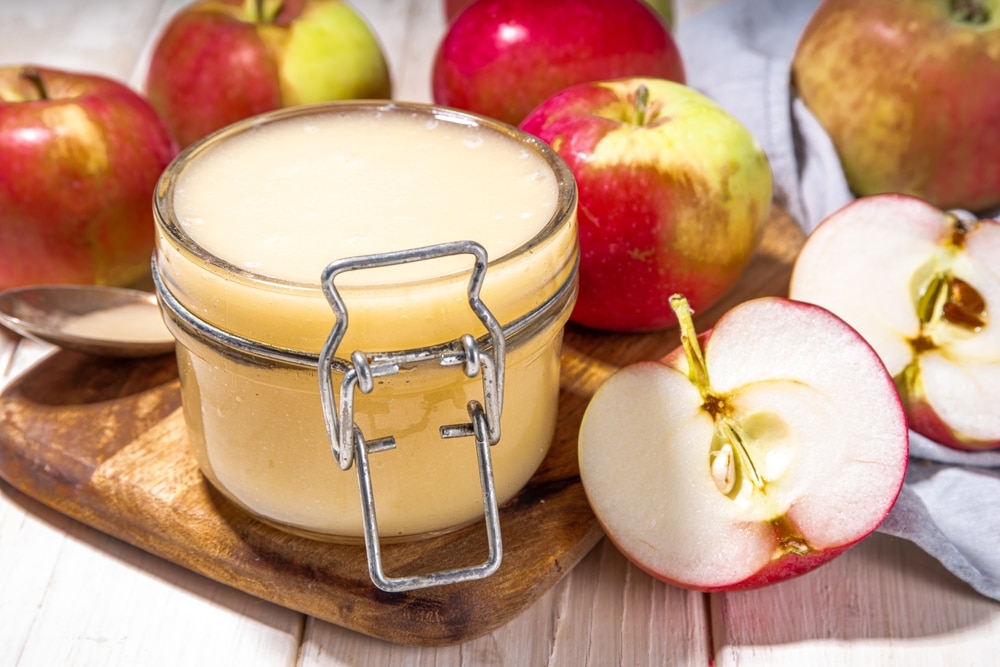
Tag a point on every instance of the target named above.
point(167, 219)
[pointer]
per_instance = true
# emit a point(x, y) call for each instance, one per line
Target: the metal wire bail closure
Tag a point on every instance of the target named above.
point(349, 445)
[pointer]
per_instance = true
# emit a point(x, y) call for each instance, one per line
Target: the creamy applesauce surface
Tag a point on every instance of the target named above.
point(286, 199)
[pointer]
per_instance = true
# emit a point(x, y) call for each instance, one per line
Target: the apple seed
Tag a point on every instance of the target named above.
point(729, 460)
point(965, 306)
point(947, 298)
point(723, 468)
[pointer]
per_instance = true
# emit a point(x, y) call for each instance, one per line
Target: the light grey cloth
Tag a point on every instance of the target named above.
point(740, 55)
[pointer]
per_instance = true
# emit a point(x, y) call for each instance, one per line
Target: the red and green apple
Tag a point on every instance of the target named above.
point(674, 193)
point(923, 287)
point(501, 58)
point(751, 454)
point(81, 157)
point(219, 61)
point(909, 93)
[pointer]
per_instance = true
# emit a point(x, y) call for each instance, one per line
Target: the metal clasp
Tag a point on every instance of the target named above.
point(349, 444)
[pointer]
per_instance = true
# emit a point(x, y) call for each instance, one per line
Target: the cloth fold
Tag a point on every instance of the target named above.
point(740, 54)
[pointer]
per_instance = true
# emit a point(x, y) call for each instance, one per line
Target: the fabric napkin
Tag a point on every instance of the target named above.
point(739, 54)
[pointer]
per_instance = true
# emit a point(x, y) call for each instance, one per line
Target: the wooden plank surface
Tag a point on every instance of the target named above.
point(74, 596)
point(103, 441)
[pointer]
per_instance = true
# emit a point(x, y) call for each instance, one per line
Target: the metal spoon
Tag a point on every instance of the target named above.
point(104, 321)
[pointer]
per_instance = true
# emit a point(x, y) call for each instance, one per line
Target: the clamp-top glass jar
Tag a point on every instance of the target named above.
point(380, 285)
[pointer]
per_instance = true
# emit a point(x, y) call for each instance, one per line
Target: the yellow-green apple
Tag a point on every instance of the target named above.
point(665, 8)
point(751, 454)
point(923, 287)
point(81, 157)
point(219, 61)
point(909, 92)
point(674, 194)
point(501, 58)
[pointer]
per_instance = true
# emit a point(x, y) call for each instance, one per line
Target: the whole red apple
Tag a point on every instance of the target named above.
point(923, 287)
point(81, 158)
point(673, 194)
point(751, 454)
point(502, 58)
point(219, 61)
point(909, 92)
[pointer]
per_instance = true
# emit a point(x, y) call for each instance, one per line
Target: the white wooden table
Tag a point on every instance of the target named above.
point(72, 596)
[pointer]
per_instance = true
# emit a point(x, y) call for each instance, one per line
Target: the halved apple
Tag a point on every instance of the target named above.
point(923, 287)
point(767, 452)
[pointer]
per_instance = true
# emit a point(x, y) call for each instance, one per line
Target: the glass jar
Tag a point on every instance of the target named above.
point(386, 209)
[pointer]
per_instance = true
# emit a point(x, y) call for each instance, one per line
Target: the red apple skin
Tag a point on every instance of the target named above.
point(647, 232)
point(453, 8)
point(925, 421)
point(909, 95)
point(502, 58)
point(193, 52)
point(214, 65)
point(788, 567)
point(77, 179)
point(665, 8)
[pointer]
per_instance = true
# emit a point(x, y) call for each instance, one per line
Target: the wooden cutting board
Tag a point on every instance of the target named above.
point(103, 441)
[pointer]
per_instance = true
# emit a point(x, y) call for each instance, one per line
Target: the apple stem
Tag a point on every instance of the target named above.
point(697, 370)
point(641, 106)
point(34, 77)
point(723, 464)
point(261, 11)
point(970, 11)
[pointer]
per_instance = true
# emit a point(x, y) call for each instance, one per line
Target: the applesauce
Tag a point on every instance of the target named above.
point(249, 218)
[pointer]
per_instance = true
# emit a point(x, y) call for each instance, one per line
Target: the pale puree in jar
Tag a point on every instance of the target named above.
point(249, 218)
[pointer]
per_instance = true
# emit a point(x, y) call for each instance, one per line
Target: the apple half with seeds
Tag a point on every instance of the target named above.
point(923, 287)
point(751, 454)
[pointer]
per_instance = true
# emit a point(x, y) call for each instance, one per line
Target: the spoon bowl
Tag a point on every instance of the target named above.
point(103, 321)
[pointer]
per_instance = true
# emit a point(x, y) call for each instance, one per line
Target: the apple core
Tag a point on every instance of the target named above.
point(752, 453)
point(921, 285)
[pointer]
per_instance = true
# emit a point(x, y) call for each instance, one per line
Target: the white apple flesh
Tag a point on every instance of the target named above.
point(923, 287)
point(757, 457)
